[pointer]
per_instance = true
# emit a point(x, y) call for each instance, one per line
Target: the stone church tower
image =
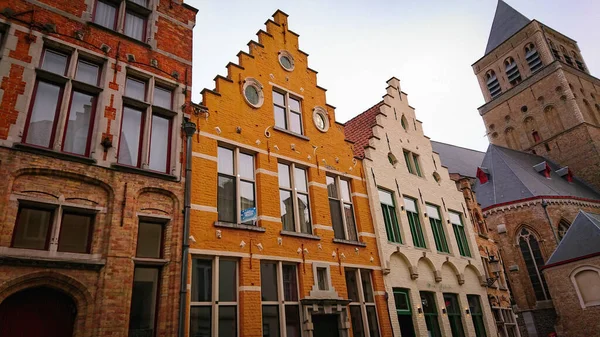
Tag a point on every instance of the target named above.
point(539, 94)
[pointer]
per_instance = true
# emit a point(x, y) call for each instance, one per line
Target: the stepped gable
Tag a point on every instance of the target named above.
point(360, 128)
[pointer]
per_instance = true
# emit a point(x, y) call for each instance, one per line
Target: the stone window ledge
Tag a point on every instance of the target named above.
point(131, 169)
point(47, 259)
point(300, 235)
point(350, 242)
point(239, 226)
point(149, 261)
point(290, 133)
point(54, 154)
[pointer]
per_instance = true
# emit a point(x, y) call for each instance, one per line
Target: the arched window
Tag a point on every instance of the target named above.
point(404, 123)
point(565, 54)
point(553, 119)
point(563, 226)
point(533, 57)
point(512, 71)
point(509, 136)
point(531, 129)
point(492, 83)
point(532, 255)
point(586, 281)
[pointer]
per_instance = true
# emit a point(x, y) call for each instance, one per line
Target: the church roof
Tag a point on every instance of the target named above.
point(581, 240)
point(507, 22)
point(458, 159)
point(515, 175)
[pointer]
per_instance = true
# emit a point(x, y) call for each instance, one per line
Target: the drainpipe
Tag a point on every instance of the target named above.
point(544, 206)
point(189, 128)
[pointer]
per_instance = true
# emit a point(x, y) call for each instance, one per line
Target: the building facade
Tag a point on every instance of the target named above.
point(92, 97)
point(431, 265)
point(282, 240)
point(539, 94)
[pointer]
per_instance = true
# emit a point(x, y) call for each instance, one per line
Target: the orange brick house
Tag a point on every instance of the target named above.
point(282, 240)
point(93, 94)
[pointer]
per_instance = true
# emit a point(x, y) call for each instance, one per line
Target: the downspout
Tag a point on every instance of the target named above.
point(189, 128)
point(544, 206)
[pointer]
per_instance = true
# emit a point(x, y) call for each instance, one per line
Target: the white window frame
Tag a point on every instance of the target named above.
point(362, 301)
point(122, 9)
point(215, 303)
point(343, 202)
point(281, 302)
point(287, 110)
point(576, 286)
point(294, 193)
point(239, 179)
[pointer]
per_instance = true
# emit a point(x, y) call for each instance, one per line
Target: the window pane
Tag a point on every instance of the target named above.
point(87, 72)
point(140, 2)
point(352, 285)
point(201, 280)
point(454, 218)
point(287, 210)
point(292, 320)
point(162, 98)
point(401, 300)
point(300, 179)
point(336, 219)
point(75, 233)
point(143, 302)
point(105, 15)
point(200, 321)
point(159, 143)
point(365, 276)
point(246, 166)
point(386, 197)
point(226, 203)
point(247, 199)
point(134, 26)
point(290, 283)
point(135, 89)
point(295, 123)
point(410, 205)
point(322, 281)
point(417, 167)
point(32, 228)
point(284, 175)
point(304, 213)
point(129, 144)
point(227, 280)
point(149, 242)
point(227, 321)
point(280, 117)
point(294, 104)
point(270, 320)
point(357, 322)
point(351, 226)
point(77, 134)
point(225, 158)
point(55, 62)
point(278, 98)
point(372, 318)
point(45, 103)
point(332, 191)
point(433, 212)
point(268, 281)
point(345, 188)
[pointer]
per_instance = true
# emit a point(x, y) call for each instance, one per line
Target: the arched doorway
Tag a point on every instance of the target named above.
point(37, 312)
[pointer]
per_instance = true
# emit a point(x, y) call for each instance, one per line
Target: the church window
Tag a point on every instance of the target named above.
point(512, 71)
point(492, 84)
point(563, 226)
point(533, 57)
point(532, 256)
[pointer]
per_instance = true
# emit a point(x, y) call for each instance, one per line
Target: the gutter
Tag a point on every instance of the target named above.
point(190, 129)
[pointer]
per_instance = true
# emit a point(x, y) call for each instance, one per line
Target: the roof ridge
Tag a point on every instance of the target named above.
point(593, 220)
point(362, 113)
point(458, 146)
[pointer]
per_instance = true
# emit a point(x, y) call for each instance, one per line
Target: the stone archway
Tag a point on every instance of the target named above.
point(38, 312)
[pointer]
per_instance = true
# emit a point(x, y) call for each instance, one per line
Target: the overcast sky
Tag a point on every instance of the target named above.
point(357, 45)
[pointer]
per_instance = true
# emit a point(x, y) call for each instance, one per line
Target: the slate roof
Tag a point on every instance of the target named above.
point(512, 177)
point(507, 21)
point(581, 240)
point(360, 128)
point(459, 159)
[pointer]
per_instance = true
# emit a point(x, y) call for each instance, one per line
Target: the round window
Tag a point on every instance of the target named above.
point(286, 60)
point(253, 93)
point(320, 119)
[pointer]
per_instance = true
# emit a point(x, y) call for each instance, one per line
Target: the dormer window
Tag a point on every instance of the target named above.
point(512, 71)
point(482, 175)
point(565, 173)
point(492, 83)
point(533, 57)
point(543, 168)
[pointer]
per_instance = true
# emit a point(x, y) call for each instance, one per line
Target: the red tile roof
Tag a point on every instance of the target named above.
point(360, 128)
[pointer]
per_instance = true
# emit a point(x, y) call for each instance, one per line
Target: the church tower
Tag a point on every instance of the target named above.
point(539, 94)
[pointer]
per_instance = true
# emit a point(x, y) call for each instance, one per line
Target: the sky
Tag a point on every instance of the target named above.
point(356, 46)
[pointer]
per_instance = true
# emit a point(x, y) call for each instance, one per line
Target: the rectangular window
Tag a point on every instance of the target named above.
point(412, 213)
point(477, 315)
point(55, 62)
point(388, 208)
point(416, 163)
point(75, 232)
point(431, 313)
point(341, 208)
point(363, 312)
point(78, 127)
point(412, 163)
point(236, 189)
point(207, 302)
point(43, 112)
point(130, 140)
point(407, 161)
point(322, 279)
point(404, 311)
point(279, 278)
point(105, 14)
point(87, 72)
point(454, 315)
point(135, 26)
point(163, 98)
point(144, 301)
point(293, 198)
point(459, 233)
point(433, 212)
point(287, 112)
point(149, 242)
point(135, 88)
point(160, 143)
point(33, 226)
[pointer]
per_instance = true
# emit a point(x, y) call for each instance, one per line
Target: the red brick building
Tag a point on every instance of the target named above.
point(92, 97)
